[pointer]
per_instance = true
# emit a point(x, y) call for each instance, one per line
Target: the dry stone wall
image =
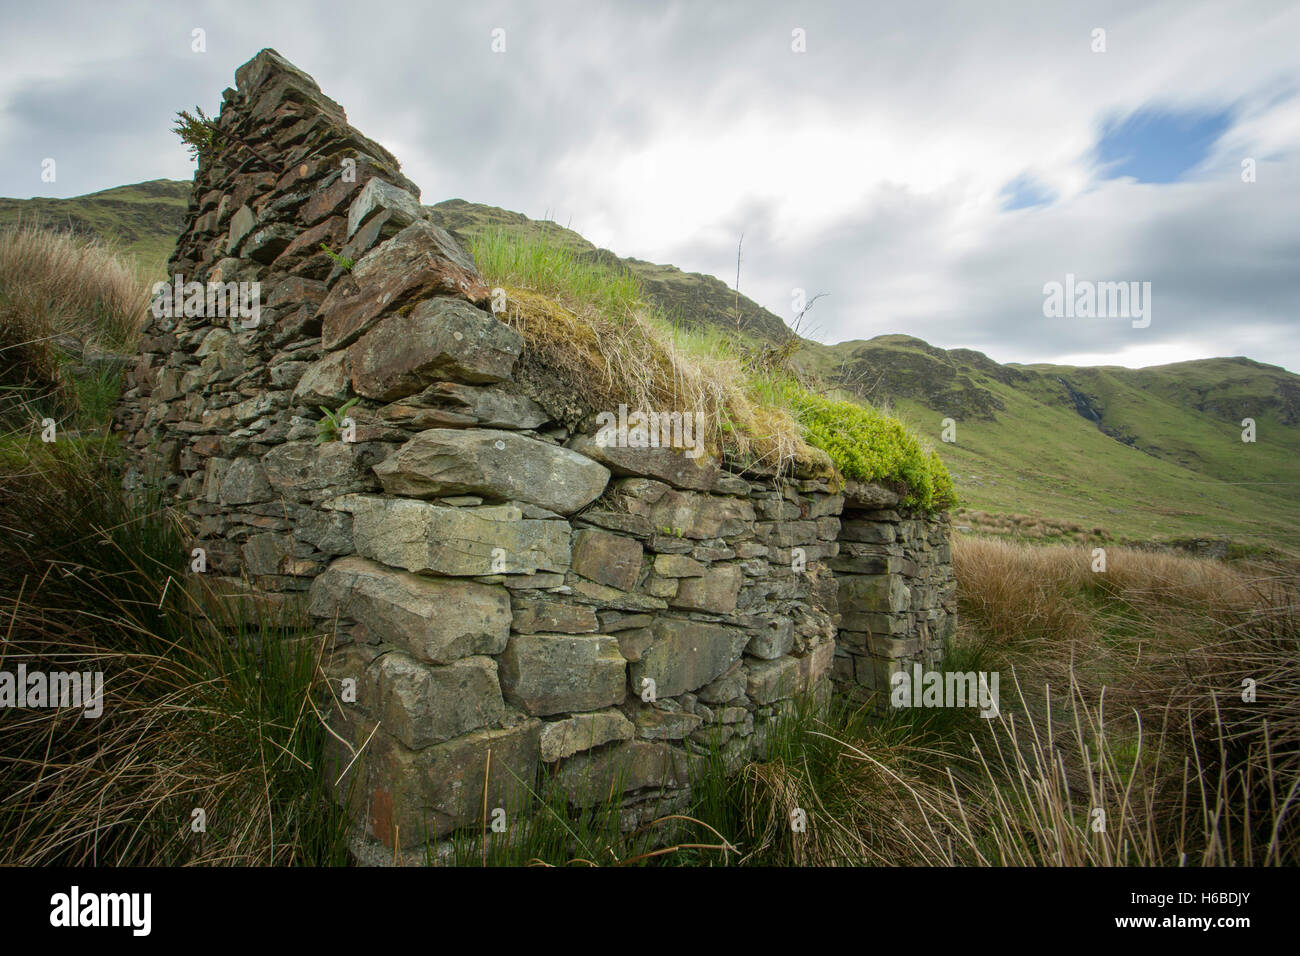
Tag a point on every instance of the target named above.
point(509, 601)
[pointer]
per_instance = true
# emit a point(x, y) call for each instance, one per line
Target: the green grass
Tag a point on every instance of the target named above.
point(868, 446)
point(701, 301)
point(538, 262)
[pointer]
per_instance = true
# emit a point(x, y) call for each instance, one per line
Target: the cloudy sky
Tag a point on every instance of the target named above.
point(929, 167)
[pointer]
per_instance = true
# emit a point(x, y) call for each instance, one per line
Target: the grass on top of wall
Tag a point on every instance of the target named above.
point(589, 321)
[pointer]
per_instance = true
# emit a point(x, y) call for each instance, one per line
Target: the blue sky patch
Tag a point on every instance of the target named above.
point(1024, 191)
point(1159, 146)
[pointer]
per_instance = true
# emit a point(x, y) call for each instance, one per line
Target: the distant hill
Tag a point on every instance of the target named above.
point(143, 219)
point(1153, 453)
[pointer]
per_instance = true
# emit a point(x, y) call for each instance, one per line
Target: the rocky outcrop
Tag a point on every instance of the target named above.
point(504, 596)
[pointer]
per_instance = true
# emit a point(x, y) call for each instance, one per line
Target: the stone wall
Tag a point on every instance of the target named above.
point(509, 600)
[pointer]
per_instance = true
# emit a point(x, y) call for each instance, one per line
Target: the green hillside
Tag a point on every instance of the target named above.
point(1139, 454)
point(1142, 453)
point(143, 220)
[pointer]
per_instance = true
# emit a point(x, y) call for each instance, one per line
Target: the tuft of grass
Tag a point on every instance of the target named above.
point(60, 294)
point(539, 263)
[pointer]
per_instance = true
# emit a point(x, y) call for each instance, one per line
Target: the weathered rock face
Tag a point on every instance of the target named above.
point(418, 263)
point(562, 673)
point(500, 591)
point(496, 464)
point(436, 620)
point(454, 540)
point(437, 340)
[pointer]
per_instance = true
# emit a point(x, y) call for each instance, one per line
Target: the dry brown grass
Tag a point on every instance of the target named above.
point(1130, 699)
point(1122, 737)
point(608, 358)
point(60, 294)
point(1027, 527)
point(53, 283)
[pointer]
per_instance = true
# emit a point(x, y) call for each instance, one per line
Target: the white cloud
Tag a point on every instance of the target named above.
point(870, 168)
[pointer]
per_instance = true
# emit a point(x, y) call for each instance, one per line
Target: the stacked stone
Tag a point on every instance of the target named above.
point(897, 592)
point(212, 408)
point(607, 616)
point(514, 605)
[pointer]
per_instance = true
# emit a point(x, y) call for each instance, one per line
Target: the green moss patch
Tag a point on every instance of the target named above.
point(868, 446)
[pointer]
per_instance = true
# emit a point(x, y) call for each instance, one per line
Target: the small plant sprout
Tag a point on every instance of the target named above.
point(334, 421)
point(343, 262)
point(201, 135)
